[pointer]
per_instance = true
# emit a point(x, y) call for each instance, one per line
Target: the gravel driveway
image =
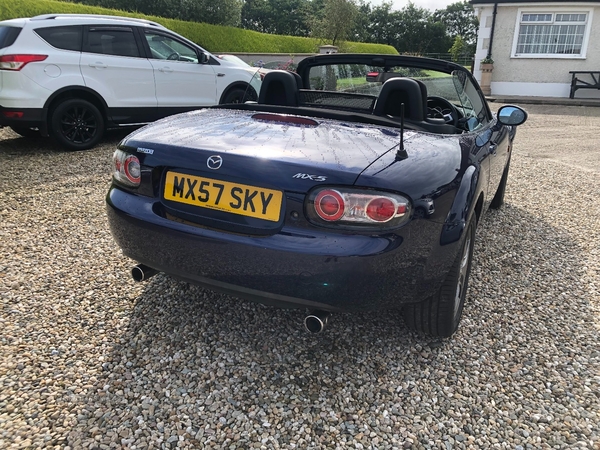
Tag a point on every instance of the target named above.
point(89, 359)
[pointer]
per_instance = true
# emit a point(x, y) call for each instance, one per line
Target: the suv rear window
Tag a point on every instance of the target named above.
point(8, 35)
point(65, 38)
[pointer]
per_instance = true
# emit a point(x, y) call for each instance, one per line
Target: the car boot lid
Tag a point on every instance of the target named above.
point(268, 146)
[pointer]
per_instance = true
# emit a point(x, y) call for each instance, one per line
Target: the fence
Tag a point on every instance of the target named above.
point(463, 60)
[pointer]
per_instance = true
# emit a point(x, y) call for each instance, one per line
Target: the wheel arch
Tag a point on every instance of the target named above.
point(81, 92)
point(469, 200)
point(236, 85)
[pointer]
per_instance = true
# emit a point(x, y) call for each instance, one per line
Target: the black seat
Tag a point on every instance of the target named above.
point(281, 88)
point(394, 93)
point(413, 93)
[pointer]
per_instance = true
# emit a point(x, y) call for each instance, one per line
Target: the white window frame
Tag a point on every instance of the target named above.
point(553, 11)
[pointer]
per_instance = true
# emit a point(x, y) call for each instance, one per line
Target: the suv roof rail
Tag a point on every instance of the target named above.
point(96, 16)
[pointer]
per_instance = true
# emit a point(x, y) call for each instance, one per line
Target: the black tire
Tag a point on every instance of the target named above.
point(77, 124)
point(26, 131)
point(440, 314)
point(239, 95)
point(498, 199)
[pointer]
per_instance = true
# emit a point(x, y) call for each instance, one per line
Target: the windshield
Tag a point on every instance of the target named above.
point(473, 106)
point(455, 87)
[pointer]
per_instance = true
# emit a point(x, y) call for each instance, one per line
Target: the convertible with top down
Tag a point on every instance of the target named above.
point(355, 183)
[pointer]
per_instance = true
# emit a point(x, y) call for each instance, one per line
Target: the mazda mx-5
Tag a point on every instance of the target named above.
point(355, 183)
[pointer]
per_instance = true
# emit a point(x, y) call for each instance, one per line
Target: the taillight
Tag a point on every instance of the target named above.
point(381, 209)
point(17, 62)
point(357, 207)
point(126, 168)
point(329, 205)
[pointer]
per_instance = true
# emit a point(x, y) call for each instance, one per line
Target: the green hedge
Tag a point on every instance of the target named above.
point(214, 38)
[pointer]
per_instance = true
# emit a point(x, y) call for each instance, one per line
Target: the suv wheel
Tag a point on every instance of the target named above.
point(239, 95)
point(77, 124)
point(26, 131)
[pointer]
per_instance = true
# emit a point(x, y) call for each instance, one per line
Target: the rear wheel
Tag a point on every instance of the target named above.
point(77, 124)
point(498, 199)
point(26, 131)
point(440, 314)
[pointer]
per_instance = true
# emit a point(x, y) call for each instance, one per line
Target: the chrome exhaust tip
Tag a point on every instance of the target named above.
point(142, 272)
point(316, 321)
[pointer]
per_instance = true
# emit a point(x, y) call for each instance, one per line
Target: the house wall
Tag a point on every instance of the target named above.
point(540, 76)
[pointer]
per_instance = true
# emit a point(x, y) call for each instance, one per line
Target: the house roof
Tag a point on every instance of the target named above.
point(491, 2)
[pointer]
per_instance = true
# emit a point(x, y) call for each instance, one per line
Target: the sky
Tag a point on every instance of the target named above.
point(428, 4)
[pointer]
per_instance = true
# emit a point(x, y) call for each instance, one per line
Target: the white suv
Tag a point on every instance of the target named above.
point(74, 76)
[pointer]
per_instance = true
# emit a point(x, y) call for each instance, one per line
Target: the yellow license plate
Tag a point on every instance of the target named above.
point(243, 199)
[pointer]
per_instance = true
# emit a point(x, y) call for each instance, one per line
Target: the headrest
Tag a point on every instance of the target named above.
point(279, 87)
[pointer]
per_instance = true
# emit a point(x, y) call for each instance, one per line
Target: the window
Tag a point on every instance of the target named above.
point(8, 35)
point(65, 38)
point(165, 47)
point(472, 105)
point(117, 41)
point(552, 34)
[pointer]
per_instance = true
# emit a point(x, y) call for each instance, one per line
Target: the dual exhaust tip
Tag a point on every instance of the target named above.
point(314, 323)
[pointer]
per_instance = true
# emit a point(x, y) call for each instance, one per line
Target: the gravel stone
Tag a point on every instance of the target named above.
point(91, 360)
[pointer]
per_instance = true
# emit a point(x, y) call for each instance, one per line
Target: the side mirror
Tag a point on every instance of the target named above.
point(511, 115)
point(203, 59)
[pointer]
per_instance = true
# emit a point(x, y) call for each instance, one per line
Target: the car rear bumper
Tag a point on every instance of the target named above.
point(23, 117)
point(294, 268)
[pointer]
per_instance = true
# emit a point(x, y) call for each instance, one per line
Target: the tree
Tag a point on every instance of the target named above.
point(336, 20)
point(287, 17)
point(460, 20)
point(381, 25)
point(418, 33)
point(457, 48)
point(360, 33)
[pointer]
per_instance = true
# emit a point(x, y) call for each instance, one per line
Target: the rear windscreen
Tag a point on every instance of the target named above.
point(8, 35)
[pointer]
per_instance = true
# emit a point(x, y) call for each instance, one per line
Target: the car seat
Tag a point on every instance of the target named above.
point(280, 88)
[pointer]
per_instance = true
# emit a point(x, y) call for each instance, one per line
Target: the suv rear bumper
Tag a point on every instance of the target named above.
point(24, 118)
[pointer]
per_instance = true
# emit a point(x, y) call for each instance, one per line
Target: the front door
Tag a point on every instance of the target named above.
point(182, 82)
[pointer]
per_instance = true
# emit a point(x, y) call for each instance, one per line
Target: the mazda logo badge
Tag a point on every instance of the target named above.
point(214, 162)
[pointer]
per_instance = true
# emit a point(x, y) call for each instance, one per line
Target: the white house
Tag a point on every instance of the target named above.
point(535, 44)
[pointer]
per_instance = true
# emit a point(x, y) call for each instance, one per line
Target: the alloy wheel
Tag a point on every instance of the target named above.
point(78, 125)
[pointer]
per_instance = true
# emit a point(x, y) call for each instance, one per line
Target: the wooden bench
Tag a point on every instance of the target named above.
point(591, 81)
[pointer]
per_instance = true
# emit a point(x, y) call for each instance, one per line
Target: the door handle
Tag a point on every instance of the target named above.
point(98, 65)
point(165, 69)
point(493, 149)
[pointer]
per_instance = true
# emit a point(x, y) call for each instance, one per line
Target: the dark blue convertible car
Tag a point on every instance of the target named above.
point(356, 183)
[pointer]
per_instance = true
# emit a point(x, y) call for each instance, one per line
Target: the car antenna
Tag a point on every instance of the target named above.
point(401, 153)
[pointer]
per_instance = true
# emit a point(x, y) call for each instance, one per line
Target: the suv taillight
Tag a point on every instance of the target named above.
point(17, 62)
